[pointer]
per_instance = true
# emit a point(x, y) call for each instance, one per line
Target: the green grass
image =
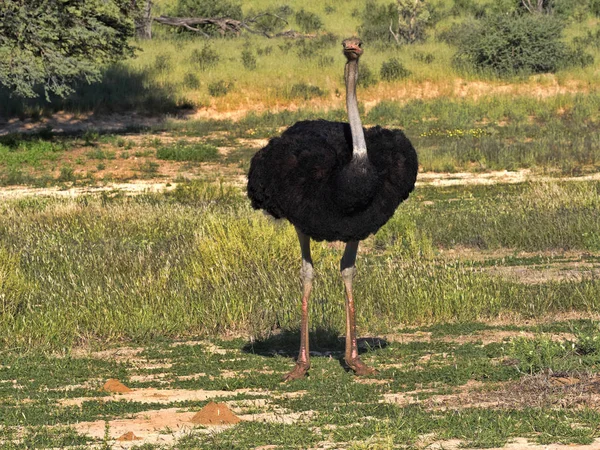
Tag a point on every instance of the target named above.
point(188, 151)
point(114, 268)
point(337, 409)
point(164, 77)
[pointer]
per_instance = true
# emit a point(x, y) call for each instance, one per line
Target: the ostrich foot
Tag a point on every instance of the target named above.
point(360, 368)
point(298, 372)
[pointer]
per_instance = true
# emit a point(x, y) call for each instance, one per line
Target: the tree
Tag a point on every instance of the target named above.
point(404, 21)
point(413, 17)
point(52, 43)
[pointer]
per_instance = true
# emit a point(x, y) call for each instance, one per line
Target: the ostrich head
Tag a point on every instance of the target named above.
point(352, 48)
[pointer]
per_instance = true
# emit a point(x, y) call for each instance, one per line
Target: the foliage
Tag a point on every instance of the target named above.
point(376, 21)
point(219, 88)
point(248, 60)
point(413, 18)
point(206, 58)
point(208, 8)
point(393, 69)
point(308, 21)
point(404, 21)
point(305, 91)
point(366, 77)
point(516, 44)
point(271, 20)
point(53, 43)
point(188, 151)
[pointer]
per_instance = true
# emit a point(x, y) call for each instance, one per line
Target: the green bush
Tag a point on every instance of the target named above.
point(205, 58)
point(376, 21)
point(305, 91)
point(516, 44)
point(191, 81)
point(366, 77)
point(219, 88)
point(163, 63)
point(392, 69)
point(595, 7)
point(248, 60)
point(308, 21)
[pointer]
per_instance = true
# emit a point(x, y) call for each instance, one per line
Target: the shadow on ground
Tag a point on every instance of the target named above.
point(323, 342)
point(120, 90)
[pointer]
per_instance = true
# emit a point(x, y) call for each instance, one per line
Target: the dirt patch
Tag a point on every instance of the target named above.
point(163, 396)
point(491, 177)
point(128, 437)
point(215, 414)
point(115, 386)
point(543, 273)
point(166, 426)
point(536, 391)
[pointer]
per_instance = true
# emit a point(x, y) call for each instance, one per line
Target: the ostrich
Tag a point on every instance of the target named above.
point(333, 181)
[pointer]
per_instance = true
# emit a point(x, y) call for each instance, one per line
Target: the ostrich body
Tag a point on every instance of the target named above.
point(334, 181)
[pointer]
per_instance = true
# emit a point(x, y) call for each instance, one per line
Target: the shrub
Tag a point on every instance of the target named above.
point(366, 77)
point(325, 61)
point(408, 20)
point(191, 81)
point(595, 7)
point(423, 57)
point(305, 91)
point(273, 21)
point(163, 63)
point(308, 21)
point(392, 69)
point(67, 174)
point(219, 88)
point(376, 21)
point(205, 58)
point(248, 60)
point(515, 44)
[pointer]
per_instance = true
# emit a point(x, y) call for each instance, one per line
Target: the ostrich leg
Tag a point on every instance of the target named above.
point(348, 271)
point(306, 273)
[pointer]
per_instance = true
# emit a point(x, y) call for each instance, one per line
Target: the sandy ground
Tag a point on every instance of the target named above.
point(425, 179)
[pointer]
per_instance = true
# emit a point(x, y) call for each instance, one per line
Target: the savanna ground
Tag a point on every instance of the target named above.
point(128, 251)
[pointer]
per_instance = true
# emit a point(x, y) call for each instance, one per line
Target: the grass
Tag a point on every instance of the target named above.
point(555, 136)
point(116, 268)
point(254, 72)
point(333, 406)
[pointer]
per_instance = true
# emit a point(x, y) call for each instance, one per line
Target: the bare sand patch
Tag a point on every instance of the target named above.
point(162, 396)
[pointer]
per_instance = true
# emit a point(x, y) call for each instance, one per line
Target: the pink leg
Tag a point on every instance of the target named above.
point(348, 271)
point(306, 273)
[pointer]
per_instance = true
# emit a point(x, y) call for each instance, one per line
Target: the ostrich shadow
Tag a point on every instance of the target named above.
point(323, 342)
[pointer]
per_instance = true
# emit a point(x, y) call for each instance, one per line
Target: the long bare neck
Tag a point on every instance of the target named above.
point(359, 146)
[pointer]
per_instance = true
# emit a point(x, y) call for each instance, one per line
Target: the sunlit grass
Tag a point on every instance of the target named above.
point(200, 261)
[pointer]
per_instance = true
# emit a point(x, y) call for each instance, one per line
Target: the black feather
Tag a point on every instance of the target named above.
point(308, 176)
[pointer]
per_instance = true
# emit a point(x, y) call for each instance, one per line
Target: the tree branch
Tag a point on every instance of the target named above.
point(224, 24)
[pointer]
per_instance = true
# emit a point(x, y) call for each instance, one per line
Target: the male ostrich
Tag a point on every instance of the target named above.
point(334, 181)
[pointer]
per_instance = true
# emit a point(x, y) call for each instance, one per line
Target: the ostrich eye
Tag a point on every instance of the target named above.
point(360, 44)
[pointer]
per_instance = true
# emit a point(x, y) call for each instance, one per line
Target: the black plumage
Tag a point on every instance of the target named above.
point(308, 176)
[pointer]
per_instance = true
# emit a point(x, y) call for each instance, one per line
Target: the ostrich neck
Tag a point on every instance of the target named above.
point(359, 146)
